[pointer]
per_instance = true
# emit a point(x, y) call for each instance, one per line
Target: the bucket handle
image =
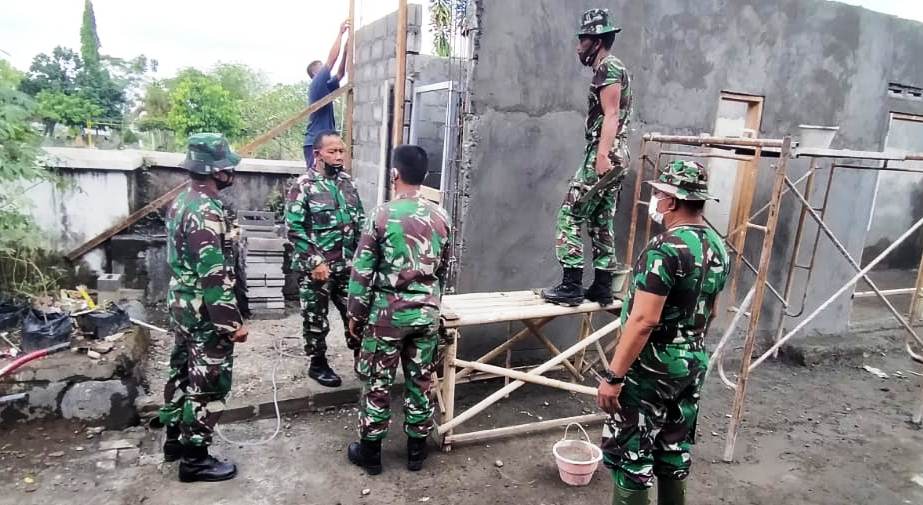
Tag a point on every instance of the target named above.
point(587, 437)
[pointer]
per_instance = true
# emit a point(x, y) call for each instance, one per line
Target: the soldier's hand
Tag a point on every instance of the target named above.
point(240, 336)
point(344, 27)
point(321, 272)
point(354, 328)
point(607, 397)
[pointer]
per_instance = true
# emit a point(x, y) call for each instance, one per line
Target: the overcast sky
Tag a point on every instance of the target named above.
point(276, 36)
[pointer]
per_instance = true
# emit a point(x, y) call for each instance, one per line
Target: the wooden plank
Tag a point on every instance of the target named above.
point(132, 218)
point(522, 429)
point(431, 194)
point(400, 76)
point(817, 152)
point(350, 98)
point(527, 312)
point(553, 349)
point(284, 126)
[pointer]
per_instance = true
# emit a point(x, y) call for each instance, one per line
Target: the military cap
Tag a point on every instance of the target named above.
point(207, 153)
point(685, 180)
point(596, 22)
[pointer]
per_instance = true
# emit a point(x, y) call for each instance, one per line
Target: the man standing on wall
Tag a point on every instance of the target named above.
point(394, 296)
point(204, 318)
point(324, 217)
point(322, 84)
point(652, 386)
point(592, 194)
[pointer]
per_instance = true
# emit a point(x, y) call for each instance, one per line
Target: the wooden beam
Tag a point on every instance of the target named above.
point(284, 126)
point(132, 218)
point(400, 75)
point(348, 115)
point(541, 380)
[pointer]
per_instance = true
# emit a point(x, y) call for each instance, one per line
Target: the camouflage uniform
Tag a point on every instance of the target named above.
point(654, 430)
point(394, 293)
point(324, 216)
point(203, 310)
point(599, 211)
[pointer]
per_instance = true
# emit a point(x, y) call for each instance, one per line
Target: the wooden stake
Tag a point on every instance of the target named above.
point(759, 290)
point(448, 381)
point(348, 115)
point(400, 76)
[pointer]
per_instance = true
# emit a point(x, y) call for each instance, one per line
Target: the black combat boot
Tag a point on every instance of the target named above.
point(321, 372)
point(172, 449)
point(601, 289)
point(416, 453)
point(197, 466)
point(367, 454)
point(569, 292)
point(671, 491)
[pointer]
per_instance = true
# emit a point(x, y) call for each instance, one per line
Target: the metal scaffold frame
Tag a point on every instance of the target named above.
point(751, 305)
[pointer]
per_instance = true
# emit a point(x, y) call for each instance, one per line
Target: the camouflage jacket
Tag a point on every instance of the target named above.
point(688, 265)
point(399, 269)
point(610, 71)
point(324, 217)
point(202, 279)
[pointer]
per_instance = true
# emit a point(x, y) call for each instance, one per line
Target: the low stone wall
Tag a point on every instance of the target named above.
point(70, 385)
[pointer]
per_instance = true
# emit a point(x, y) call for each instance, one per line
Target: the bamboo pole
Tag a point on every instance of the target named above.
point(526, 377)
point(916, 311)
point(490, 400)
point(448, 381)
point(553, 349)
point(400, 76)
point(760, 286)
point(523, 429)
point(350, 100)
point(710, 140)
point(504, 346)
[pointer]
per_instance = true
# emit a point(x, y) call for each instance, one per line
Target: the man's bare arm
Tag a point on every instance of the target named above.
point(341, 71)
point(337, 44)
point(644, 317)
point(609, 97)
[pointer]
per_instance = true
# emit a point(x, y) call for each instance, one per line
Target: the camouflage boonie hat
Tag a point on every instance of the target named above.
point(596, 22)
point(207, 153)
point(686, 180)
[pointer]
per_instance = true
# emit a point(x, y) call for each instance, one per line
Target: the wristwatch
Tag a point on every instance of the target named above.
point(611, 378)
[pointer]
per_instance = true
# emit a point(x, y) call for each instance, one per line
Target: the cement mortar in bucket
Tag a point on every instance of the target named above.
point(576, 459)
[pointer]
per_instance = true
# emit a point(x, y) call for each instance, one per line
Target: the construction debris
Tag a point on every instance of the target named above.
point(875, 371)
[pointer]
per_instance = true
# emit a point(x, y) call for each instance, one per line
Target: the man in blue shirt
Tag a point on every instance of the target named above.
point(322, 84)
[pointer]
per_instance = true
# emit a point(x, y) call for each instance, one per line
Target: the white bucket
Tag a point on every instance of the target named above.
point(577, 460)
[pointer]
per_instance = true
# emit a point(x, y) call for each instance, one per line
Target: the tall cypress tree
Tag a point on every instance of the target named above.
point(89, 40)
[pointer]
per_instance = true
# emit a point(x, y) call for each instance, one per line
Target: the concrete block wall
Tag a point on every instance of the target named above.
point(814, 61)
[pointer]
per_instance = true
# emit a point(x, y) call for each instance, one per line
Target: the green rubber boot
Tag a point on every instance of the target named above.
point(671, 491)
point(622, 496)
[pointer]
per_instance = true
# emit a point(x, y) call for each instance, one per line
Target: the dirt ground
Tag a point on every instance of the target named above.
point(812, 435)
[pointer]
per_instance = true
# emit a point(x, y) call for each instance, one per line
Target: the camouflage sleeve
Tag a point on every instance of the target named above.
point(607, 74)
point(656, 269)
point(300, 231)
point(363, 272)
point(445, 257)
point(206, 234)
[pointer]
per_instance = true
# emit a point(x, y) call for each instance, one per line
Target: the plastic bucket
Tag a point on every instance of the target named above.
point(576, 459)
point(619, 277)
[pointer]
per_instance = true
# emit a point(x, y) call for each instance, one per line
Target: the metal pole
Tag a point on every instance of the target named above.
point(842, 249)
point(765, 255)
point(862, 273)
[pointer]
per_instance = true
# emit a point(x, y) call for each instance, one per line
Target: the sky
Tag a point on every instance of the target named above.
point(278, 37)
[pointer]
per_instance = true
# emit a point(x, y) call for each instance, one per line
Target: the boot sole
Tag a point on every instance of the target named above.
point(565, 303)
point(335, 384)
point(415, 466)
point(195, 478)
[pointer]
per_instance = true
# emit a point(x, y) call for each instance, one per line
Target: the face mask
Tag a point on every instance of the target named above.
point(224, 183)
point(655, 216)
point(586, 57)
point(331, 170)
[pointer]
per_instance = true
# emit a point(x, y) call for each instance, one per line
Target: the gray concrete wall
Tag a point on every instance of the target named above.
point(375, 65)
point(814, 62)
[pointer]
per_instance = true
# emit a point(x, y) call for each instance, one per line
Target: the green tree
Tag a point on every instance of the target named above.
point(55, 72)
point(442, 13)
point(74, 111)
point(199, 103)
point(241, 81)
point(89, 39)
point(265, 111)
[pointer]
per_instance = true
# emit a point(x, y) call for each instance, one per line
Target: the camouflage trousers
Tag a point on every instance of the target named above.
point(654, 431)
point(598, 213)
point(415, 347)
point(198, 383)
point(315, 304)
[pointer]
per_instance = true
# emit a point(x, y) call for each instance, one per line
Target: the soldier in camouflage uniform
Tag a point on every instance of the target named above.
point(654, 379)
point(592, 194)
point(203, 311)
point(394, 296)
point(324, 217)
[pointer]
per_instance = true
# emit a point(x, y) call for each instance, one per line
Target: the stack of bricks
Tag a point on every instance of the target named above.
point(263, 251)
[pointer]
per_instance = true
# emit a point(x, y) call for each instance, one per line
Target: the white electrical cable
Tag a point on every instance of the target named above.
point(280, 348)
